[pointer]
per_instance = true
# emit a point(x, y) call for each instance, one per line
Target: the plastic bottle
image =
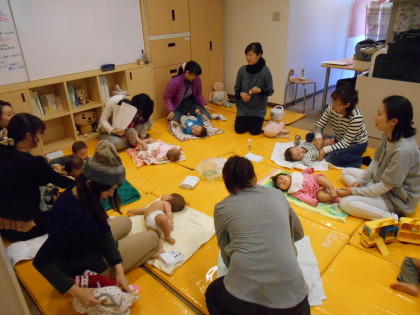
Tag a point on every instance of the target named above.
point(249, 144)
point(302, 74)
point(142, 59)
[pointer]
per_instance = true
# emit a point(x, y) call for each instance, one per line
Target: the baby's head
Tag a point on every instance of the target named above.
point(176, 200)
point(294, 154)
point(282, 181)
point(80, 149)
point(74, 166)
point(173, 154)
point(199, 131)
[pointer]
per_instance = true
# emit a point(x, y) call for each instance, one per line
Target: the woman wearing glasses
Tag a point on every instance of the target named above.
point(349, 130)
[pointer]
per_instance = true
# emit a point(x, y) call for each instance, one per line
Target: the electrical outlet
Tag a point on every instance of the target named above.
point(276, 16)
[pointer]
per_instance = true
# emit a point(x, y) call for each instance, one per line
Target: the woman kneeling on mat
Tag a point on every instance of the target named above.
point(257, 248)
point(82, 238)
point(390, 186)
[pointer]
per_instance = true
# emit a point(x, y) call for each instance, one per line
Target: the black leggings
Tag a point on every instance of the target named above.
point(220, 302)
point(253, 124)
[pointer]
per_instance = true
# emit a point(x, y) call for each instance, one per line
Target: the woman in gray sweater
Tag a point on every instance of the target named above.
point(390, 186)
point(253, 86)
point(256, 229)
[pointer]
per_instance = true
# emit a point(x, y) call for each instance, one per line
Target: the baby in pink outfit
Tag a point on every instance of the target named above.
point(159, 151)
point(306, 187)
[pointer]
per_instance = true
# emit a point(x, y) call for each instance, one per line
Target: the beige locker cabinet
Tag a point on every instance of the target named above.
point(206, 20)
point(162, 77)
point(167, 16)
point(140, 80)
point(170, 51)
point(19, 101)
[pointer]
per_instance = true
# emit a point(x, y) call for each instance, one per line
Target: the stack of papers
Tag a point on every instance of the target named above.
point(338, 63)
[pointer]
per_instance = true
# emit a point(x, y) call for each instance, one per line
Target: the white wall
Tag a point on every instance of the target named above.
point(249, 21)
point(317, 31)
point(308, 33)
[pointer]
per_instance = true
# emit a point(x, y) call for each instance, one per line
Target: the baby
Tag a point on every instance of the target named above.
point(194, 125)
point(159, 151)
point(409, 277)
point(305, 152)
point(73, 167)
point(308, 188)
point(158, 217)
point(134, 140)
point(79, 149)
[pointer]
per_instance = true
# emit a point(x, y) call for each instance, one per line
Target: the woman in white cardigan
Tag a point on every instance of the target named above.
point(117, 136)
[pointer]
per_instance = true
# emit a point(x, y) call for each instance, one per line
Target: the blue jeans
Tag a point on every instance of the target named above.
point(348, 157)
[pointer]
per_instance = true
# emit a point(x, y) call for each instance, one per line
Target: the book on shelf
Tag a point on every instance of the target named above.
point(104, 87)
point(36, 104)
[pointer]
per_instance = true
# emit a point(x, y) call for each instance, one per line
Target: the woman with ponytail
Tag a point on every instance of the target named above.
point(254, 84)
point(349, 130)
point(390, 186)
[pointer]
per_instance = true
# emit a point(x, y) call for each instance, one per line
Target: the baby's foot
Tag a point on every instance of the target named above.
point(170, 240)
point(406, 287)
point(160, 251)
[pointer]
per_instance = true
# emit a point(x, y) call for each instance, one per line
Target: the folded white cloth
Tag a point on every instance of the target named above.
point(278, 157)
point(25, 250)
point(307, 263)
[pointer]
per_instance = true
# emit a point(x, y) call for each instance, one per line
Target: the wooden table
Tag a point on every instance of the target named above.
point(357, 66)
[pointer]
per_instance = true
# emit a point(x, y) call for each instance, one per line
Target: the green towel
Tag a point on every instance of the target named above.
point(128, 194)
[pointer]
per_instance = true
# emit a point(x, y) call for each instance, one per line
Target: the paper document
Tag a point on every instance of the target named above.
point(123, 115)
point(253, 157)
point(338, 63)
point(55, 154)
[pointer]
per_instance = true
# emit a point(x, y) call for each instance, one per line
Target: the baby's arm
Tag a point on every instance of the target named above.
point(168, 211)
point(136, 211)
point(324, 182)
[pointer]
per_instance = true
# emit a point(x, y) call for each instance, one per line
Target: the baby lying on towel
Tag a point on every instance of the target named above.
point(159, 152)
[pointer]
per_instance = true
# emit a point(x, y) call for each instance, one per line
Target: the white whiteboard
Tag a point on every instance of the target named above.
point(12, 67)
point(61, 37)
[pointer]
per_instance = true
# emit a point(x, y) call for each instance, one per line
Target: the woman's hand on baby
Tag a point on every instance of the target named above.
point(118, 132)
point(344, 192)
point(321, 155)
point(318, 143)
point(84, 295)
point(245, 97)
point(255, 90)
point(355, 184)
point(208, 108)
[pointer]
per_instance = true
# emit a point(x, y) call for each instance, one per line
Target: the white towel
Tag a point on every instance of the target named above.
point(191, 229)
point(307, 263)
point(278, 157)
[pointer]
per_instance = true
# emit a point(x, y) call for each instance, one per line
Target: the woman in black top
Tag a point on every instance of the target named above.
point(21, 174)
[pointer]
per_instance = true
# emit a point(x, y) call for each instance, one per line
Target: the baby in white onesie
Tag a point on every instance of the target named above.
point(158, 217)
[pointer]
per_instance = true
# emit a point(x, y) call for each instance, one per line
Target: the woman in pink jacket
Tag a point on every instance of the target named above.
point(183, 93)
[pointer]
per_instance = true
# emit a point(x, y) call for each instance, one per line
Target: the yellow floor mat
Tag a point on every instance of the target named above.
point(358, 283)
point(154, 298)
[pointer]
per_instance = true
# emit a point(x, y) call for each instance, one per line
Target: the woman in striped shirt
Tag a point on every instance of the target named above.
point(349, 130)
point(390, 186)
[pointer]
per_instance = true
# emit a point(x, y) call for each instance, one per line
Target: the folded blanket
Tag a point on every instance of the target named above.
point(326, 209)
point(175, 129)
point(25, 250)
point(127, 193)
point(278, 157)
point(191, 230)
point(307, 263)
point(152, 155)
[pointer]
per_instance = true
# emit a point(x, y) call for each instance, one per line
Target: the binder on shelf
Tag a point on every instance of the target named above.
point(37, 102)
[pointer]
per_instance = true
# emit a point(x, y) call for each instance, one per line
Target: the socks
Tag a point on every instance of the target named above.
point(218, 117)
point(366, 160)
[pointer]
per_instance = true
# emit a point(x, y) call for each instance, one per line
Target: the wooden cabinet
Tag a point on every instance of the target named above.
point(167, 16)
point(19, 101)
point(54, 99)
point(373, 90)
point(206, 22)
point(170, 45)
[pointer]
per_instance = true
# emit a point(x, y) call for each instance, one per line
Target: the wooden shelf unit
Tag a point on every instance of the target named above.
point(60, 130)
